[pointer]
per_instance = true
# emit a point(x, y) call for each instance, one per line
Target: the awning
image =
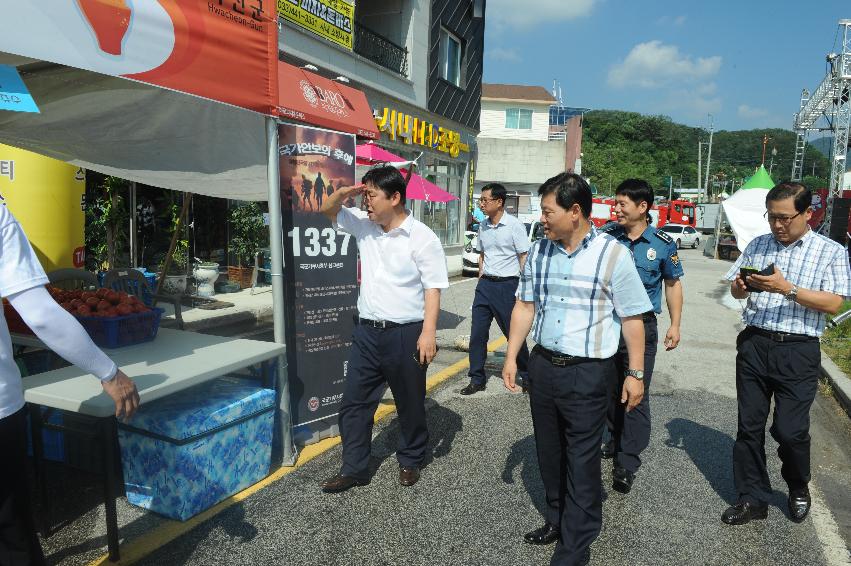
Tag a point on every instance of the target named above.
point(311, 98)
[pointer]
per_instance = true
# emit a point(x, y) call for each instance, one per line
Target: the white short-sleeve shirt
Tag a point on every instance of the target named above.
point(502, 243)
point(19, 270)
point(396, 266)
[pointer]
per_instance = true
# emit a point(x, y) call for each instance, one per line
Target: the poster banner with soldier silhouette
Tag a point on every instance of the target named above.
point(321, 270)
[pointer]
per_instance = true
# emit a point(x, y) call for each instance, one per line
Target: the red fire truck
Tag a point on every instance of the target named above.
point(669, 212)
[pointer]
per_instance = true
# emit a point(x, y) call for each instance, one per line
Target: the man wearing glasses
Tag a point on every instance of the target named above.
point(502, 247)
point(395, 335)
point(778, 351)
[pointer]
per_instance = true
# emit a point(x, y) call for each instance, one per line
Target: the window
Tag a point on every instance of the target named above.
point(450, 58)
point(518, 119)
point(689, 230)
point(672, 229)
point(444, 218)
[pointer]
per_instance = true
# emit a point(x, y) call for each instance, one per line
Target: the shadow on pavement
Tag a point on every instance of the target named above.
point(443, 425)
point(524, 456)
point(709, 449)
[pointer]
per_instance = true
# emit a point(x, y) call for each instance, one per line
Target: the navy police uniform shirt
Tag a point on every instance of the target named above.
point(655, 256)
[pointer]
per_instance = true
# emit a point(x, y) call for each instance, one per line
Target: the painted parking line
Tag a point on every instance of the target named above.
point(137, 549)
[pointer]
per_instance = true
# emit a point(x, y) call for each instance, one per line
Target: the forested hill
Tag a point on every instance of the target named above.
point(617, 145)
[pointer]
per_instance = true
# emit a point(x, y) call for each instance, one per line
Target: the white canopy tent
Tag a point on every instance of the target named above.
point(745, 210)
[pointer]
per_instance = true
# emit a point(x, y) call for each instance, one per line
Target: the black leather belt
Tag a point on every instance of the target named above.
point(648, 316)
point(781, 336)
point(499, 279)
point(558, 359)
point(382, 324)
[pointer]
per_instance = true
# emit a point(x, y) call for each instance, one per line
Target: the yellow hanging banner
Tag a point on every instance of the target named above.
point(48, 199)
point(332, 19)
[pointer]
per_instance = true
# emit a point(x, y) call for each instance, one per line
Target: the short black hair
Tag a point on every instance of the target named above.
point(638, 191)
point(388, 179)
point(803, 197)
point(569, 189)
point(497, 191)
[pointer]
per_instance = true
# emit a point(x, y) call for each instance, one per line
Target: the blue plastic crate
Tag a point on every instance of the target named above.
point(53, 441)
point(120, 331)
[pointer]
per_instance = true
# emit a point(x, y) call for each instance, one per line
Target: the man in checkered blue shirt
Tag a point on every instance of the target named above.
point(578, 289)
point(778, 352)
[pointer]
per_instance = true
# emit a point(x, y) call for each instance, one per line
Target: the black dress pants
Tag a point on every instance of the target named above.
point(631, 430)
point(493, 300)
point(19, 545)
point(569, 413)
point(382, 357)
point(787, 371)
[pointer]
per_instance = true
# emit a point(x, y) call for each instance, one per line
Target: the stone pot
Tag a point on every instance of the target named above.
point(174, 285)
point(205, 275)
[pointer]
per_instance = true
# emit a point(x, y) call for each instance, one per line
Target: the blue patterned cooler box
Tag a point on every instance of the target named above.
point(184, 453)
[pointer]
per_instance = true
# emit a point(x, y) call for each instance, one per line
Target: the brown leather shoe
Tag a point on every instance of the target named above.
point(408, 476)
point(339, 482)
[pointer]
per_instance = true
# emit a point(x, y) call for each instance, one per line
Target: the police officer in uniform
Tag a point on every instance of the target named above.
point(655, 256)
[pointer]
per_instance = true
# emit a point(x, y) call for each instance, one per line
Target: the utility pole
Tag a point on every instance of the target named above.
point(699, 165)
point(709, 154)
point(670, 188)
point(773, 154)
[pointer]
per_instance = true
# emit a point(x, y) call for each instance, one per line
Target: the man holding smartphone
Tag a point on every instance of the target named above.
point(403, 269)
point(778, 351)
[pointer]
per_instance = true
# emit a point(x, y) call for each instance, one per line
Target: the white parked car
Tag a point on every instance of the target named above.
point(683, 235)
point(534, 230)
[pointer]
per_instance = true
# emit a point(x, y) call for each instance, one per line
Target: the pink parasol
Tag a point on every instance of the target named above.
point(419, 188)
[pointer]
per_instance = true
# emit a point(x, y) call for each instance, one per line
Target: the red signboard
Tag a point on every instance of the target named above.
point(224, 50)
point(308, 97)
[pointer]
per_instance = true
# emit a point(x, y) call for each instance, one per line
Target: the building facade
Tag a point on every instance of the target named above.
point(526, 137)
point(420, 66)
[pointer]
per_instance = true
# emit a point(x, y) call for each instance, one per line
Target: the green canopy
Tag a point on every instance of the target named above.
point(760, 180)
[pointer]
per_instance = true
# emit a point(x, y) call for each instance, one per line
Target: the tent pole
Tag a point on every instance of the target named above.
point(276, 250)
point(133, 235)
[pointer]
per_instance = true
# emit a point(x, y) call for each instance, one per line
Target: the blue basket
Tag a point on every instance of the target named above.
point(120, 331)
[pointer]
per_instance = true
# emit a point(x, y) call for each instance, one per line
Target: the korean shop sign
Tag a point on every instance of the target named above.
point(331, 19)
point(416, 131)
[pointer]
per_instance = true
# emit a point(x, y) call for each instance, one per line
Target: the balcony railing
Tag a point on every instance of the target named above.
point(381, 50)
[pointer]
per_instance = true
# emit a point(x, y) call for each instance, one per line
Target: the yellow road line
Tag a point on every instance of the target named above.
point(137, 549)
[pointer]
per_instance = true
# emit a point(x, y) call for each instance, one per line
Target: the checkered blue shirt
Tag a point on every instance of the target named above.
point(813, 262)
point(581, 297)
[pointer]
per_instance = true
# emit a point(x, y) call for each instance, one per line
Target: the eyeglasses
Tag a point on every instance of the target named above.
point(483, 200)
point(784, 220)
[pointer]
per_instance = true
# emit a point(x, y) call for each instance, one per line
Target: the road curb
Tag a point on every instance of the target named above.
point(839, 382)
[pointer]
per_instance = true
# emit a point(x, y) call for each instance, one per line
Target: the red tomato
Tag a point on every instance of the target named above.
point(76, 303)
point(104, 305)
point(124, 309)
point(139, 307)
point(113, 297)
point(102, 292)
point(85, 295)
point(92, 302)
point(84, 310)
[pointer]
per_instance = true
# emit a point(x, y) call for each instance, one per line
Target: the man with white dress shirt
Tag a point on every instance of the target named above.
point(403, 269)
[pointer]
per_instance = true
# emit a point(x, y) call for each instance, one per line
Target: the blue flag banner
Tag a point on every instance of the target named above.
point(14, 95)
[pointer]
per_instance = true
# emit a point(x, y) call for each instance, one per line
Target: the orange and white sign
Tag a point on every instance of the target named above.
point(224, 50)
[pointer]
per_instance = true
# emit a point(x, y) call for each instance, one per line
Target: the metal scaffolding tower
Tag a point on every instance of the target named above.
point(831, 101)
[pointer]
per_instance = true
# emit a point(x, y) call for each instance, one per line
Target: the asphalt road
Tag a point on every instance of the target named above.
point(480, 490)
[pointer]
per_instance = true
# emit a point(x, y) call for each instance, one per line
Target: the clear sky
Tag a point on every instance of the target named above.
point(745, 62)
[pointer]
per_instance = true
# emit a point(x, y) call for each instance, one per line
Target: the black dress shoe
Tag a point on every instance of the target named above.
point(607, 449)
point(547, 534)
point(622, 479)
point(408, 476)
point(744, 512)
point(339, 482)
point(473, 388)
point(799, 504)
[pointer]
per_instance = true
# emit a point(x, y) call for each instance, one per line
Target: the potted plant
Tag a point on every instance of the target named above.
point(247, 237)
point(175, 277)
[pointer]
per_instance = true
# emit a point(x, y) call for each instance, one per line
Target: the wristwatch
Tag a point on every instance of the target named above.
point(636, 373)
point(792, 295)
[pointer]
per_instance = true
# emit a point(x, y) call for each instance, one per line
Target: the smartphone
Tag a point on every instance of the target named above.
point(417, 356)
point(744, 272)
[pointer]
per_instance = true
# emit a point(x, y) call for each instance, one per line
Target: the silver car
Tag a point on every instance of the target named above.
point(683, 235)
